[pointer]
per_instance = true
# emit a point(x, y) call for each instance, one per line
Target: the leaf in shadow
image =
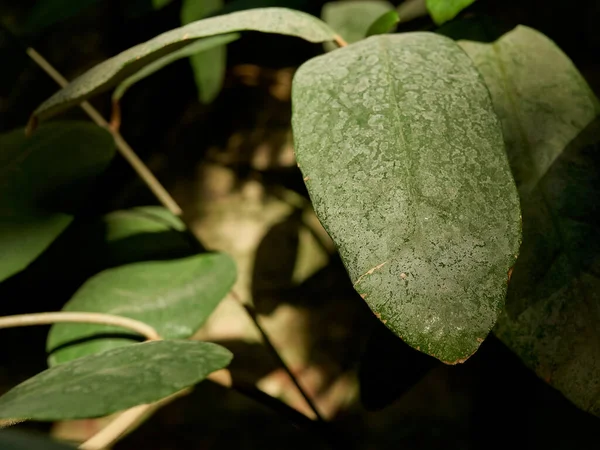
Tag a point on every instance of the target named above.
point(551, 125)
point(275, 262)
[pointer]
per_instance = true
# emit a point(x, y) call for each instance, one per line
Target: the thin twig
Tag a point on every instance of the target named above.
point(340, 41)
point(24, 320)
point(126, 151)
point(252, 313)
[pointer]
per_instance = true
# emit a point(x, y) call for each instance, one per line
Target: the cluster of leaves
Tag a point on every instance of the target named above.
point(419, 175)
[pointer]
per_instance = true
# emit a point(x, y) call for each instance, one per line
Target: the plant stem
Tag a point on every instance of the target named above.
point(340, 41)
point(23, 320)
point(126, 151)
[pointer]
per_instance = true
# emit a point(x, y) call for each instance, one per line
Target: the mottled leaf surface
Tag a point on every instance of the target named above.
point(552, 317)
point(199, 46)
point(116, 379)
point(444, 10)
point(112, 71)
point(404, 161)
point(175, 297)
point(43, 180)
point(351, 20)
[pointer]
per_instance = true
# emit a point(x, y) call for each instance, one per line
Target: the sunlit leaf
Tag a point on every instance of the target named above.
point(107, 382)
point(353, 19)
point(175, 297)
point(385, 24)
point(552, 131)
point(114, 70)
point(444, 10)
point(43, 180)
point(404, 161)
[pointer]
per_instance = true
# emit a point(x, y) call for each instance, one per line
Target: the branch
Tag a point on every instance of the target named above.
point(24, 320)
point(126, 151)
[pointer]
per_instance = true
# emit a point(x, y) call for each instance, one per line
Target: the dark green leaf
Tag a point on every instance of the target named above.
point(404, 161)
point(199, 46)
point(208, 66)
point(351, 20)
point(116, 379)
point(112, 71)
point(20, 440)
point(552, 317)
point(444, 10)
point(174, 297)
point(385, 24)
point(43, 179)
point(46, 13)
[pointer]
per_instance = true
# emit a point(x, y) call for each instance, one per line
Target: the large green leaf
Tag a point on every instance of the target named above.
point(174, 297)
point(444, 10)
point(353, 19)
point(43, 179)
point(208, 66)
point(199, 46)
point(404, 161)
point(114, 70)
point(552, 318)
point(116, 379)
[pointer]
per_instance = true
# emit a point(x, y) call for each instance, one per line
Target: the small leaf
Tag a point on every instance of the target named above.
point(43, 179)
point(209, 66)
point(405, 166)
point(20, 440)
point(351, 20)
point(444, 10)
point(114, 70)
point(174, 297)
point(551, 125)
point(116, 379)
point(385, 24)
point(199, 46)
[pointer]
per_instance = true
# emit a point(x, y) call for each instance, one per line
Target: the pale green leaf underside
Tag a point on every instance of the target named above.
point(552, 318)
point(117, 379)
point(175, 297)
point(352, 19)
point(444, 10)
point(114, 70)
point(43, 179)
point(199, 46)
point(404, 162)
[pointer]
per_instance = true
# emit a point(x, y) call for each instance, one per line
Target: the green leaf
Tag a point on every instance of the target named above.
point(385, 24)
point(552, 317)
point(43, 179)
point(175, 297)
point(199, 46)
point(404, 161)
point(114, 70)
point(351, 20)
point(160, 4)
point(444, 10)
point(116, 379)
point(46, 13)
point(209, 66)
